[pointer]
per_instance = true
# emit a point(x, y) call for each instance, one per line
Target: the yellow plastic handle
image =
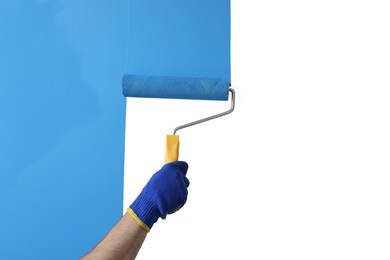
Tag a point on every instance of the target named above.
point(172, 148)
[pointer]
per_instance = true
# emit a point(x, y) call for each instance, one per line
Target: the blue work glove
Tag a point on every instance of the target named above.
point(165, 193)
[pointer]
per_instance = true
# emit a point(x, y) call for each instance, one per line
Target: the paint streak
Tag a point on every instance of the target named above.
point(43, 93)
point(62, 119)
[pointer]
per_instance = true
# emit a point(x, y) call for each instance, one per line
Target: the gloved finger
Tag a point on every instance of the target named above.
point(186, 181)
point(180, 166)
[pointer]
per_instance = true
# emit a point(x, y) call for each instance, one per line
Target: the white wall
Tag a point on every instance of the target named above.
point(301, 169)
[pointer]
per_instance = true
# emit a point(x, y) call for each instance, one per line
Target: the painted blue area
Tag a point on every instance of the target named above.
point(62, 119)
point(180, 38)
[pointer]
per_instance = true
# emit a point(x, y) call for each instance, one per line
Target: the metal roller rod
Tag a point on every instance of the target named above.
point(210, 117)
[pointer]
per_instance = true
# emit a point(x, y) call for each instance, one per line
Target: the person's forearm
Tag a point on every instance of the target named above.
point(122, 242)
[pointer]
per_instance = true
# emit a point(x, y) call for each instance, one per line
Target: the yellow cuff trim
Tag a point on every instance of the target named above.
point(172, 148)
point(136, 218)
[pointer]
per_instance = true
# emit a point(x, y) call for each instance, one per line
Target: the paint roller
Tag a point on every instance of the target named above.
point(201, 88)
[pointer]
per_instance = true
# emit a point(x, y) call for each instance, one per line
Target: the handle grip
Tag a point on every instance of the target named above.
point(172, 148)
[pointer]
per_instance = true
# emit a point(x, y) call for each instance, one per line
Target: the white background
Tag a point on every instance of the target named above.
point(301, 169)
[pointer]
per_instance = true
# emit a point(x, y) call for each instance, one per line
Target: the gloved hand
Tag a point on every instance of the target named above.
point(165, 193)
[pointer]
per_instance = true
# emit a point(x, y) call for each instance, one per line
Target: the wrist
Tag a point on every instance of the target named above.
point(138, 220)
point(144, 212)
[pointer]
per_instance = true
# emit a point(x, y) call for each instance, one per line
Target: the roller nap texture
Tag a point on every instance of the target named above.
point(175, 87)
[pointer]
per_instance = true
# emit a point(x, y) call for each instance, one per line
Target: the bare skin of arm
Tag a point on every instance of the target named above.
point(122, 242)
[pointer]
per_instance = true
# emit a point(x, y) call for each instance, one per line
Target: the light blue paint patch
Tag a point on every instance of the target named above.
point(180, 38)
point(62, 118)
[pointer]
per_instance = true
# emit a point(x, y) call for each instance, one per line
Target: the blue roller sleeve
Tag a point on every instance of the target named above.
point(165, 193)
point(175, 87)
